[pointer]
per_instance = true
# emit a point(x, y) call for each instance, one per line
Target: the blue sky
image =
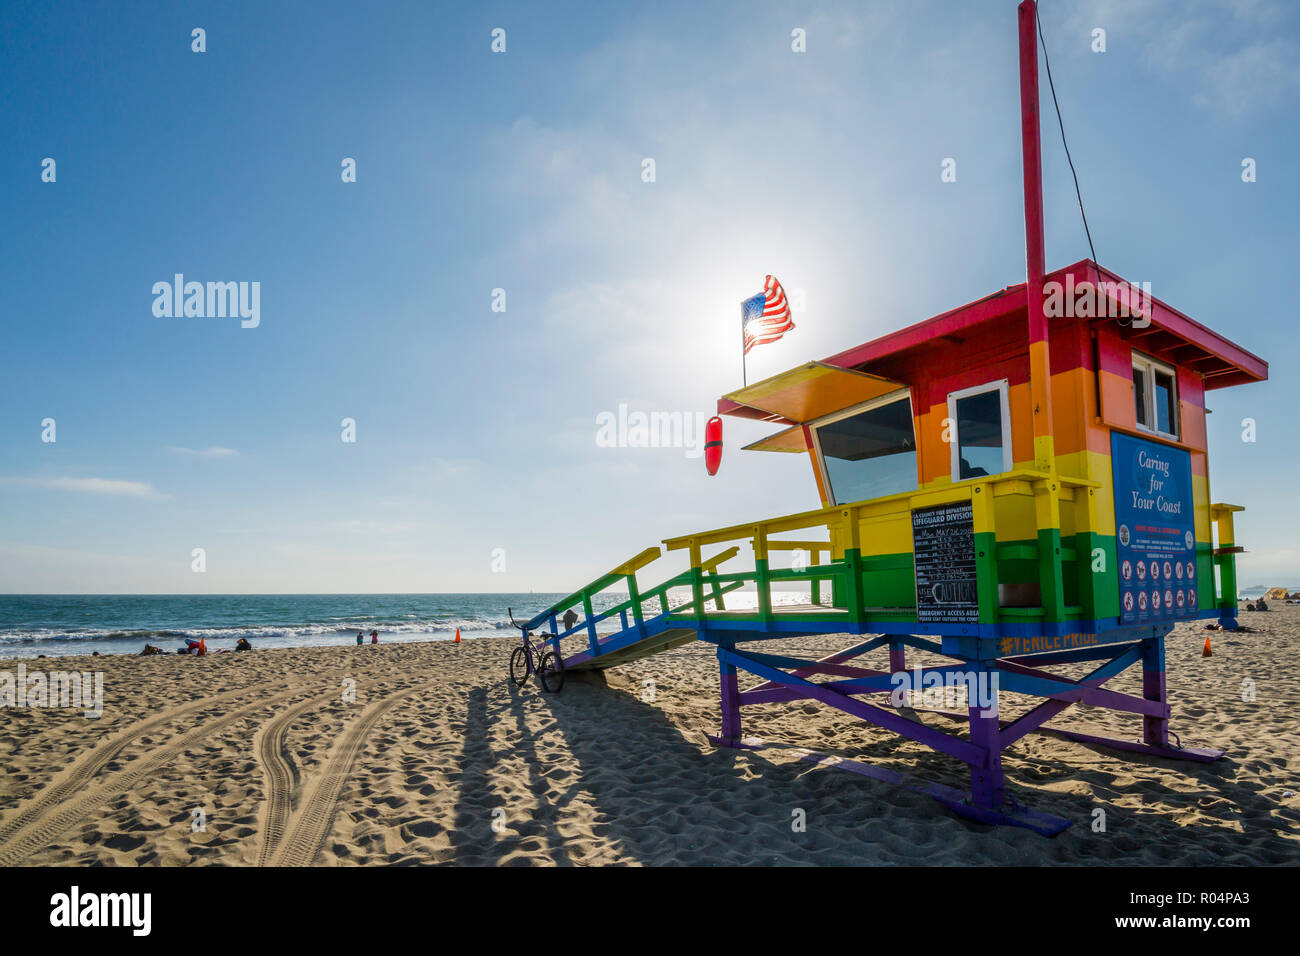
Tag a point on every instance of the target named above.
point(476, 430)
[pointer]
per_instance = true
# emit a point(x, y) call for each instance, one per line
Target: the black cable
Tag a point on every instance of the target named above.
point(1061, 123)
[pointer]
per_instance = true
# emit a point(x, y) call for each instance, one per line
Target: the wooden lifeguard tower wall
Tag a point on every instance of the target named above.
point(1046, 558)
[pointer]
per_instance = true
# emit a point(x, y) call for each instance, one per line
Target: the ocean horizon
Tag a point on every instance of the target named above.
point(73, 624)
point(62, 625)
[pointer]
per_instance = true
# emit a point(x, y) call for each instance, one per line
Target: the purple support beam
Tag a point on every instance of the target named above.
point(1041, 823)
point(1155, 728)
point(839, 657)
point(827, 667)
point(934, 739)
point(1055, 687)
point(730, 699)
point(785, 678)
point(1198, 754)
point(776, 694)
point(1049, 709)
point(986, 783)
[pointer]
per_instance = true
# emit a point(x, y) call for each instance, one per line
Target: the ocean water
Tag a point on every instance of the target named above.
point(65, 624)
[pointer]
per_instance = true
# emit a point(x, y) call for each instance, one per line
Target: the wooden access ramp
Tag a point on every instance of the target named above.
point(611, 654)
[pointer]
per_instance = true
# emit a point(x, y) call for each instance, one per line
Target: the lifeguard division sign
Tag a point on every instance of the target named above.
point(943, 549)
point(1155, 542)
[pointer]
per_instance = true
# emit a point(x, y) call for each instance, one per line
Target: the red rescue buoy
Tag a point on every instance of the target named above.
point(713, 444)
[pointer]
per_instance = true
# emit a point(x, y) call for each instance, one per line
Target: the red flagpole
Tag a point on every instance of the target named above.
point(1040, 366)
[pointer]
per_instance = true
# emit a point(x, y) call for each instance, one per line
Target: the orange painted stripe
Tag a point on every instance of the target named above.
point(817, 472)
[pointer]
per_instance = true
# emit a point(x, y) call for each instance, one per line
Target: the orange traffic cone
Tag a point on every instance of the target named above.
point(457, 640)
point(1206, 652)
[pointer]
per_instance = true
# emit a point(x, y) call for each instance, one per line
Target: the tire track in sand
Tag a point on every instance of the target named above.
point(321, 798)
point(89, 766)
point(43, 829)
point(279, 775)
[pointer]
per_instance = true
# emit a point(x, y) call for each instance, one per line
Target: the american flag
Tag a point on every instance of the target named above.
point(765, 317)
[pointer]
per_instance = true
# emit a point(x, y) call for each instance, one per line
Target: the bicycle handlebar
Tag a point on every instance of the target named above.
point(521, 627)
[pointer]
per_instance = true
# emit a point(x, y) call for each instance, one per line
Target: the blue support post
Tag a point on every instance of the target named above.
point(592, 640)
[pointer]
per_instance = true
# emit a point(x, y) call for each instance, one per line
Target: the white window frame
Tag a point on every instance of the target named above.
point(887, 399)
point(1149, 366)
point(1001, 387)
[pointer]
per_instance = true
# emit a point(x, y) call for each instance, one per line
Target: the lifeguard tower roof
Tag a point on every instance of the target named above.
point(820, 388)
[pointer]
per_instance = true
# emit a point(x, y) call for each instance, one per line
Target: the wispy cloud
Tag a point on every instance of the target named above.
point(94, 486)
point(377, 527)
point(1263, 73)
point(213, 452)
point(1229, 52)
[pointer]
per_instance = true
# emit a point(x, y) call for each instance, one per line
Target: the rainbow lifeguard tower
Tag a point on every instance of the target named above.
point(1019, 483)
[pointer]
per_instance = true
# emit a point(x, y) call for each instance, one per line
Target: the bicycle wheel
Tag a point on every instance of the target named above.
point(519, 666)
point(551, 672)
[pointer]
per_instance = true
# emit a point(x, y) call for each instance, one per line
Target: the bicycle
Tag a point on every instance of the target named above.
point(533, 657)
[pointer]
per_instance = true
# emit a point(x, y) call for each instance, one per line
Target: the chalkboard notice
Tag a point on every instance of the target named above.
point(943, 543)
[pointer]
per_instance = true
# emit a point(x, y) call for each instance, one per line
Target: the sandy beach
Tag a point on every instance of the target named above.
point(439, 759)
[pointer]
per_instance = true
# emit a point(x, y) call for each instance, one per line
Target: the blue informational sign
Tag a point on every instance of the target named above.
point(1155, 537)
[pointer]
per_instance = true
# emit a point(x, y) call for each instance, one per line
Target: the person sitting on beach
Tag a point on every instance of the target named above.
point(374, 637)
point(150, 650)
point(243, 645)
point(361, 638)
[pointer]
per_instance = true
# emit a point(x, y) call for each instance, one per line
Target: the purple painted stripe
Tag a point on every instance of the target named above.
point(775, 694)
point(935, 739)
point(857, 650)
point(1049, 709)
point(1199, 754)
point(955, 800)
point(1025, 680)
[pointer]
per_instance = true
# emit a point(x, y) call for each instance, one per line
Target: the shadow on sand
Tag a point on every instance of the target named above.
point(666, 796)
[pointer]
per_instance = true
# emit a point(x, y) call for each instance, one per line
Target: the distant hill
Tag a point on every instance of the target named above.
point(1258, 591)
